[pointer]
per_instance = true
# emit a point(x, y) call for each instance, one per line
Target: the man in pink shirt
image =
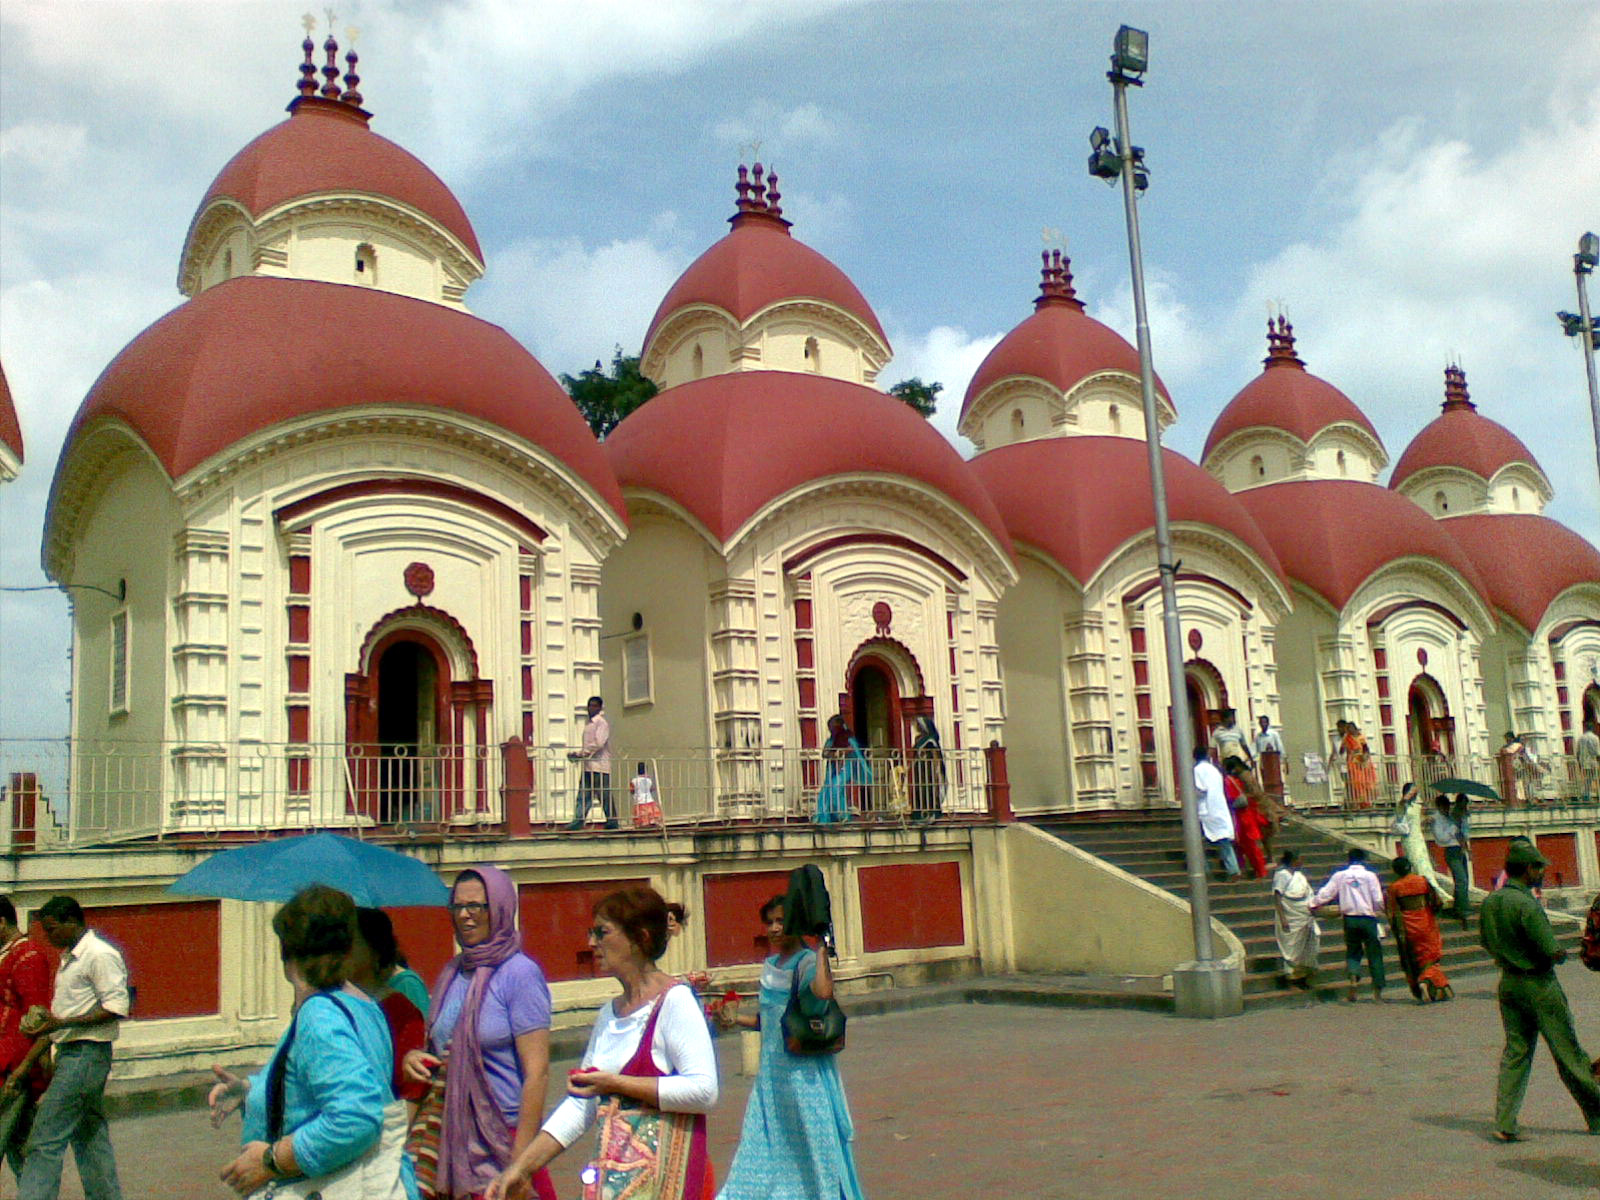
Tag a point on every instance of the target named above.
point(595, 780)
point(1360, 899)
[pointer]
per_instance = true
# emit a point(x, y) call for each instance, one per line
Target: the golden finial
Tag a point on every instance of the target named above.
point(309, 23)
point(351, 33)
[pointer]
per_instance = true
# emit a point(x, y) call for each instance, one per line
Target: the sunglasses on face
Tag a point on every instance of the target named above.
point(470, 908)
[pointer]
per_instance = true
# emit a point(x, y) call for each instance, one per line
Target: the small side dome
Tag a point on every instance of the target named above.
point(1059, 372)
point(11, 449)
point(353, 198)
point(1462, 462)
point(760, 300)
point(1287, 423)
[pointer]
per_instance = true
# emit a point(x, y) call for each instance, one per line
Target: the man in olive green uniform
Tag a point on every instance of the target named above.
point(1514, 929)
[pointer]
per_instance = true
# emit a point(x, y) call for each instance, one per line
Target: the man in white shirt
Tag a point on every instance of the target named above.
point(1216, 818)
point(89, 1005)
point(1588, 755)
point(595, 781)
point(1360, 899)
point(1450, 834)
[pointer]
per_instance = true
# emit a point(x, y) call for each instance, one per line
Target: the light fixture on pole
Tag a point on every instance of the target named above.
point(1206, 987)
point(1581, 325)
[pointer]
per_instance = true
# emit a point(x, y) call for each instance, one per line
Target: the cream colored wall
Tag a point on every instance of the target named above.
point(1233, 463)
point(998, 426)
point(1073, 912)
point(1518, 489)
point(663, 572)
point(1498, 649)
point(1446, 492)
point(1301, 716)
point(1110, 407)
point(127, 535)
point(774, 339)
point(1324, 449)
point(1032, 653)
point(1107, 404)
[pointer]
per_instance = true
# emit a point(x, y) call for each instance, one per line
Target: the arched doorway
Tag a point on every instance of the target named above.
point(410, 683)
point(1207, 695)
point(875, 710)
point(1430, 730)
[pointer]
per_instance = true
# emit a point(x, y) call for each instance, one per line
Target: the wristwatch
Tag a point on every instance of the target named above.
point(270, 1161)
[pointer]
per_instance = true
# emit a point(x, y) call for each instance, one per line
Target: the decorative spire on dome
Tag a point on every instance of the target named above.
point(1455, 390)
point(330, 97)
point(758, 198)
point(1055, 281)
point(1280, 344)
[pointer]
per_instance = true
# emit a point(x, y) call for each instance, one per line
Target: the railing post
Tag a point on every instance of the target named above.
point(517, 789)
point(996, 785)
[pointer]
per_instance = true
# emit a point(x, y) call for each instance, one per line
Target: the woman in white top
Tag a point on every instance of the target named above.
point(649, 1073)
point(1299, 938)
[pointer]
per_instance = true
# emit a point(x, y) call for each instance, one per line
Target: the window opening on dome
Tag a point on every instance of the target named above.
point(1017, 422)
point(698, 363)
point(366, 264)
point(119, 632)
point(1258, 467)
point(1440, 504)
point(1339, 460)
point(1116, 419)
point(813, 354)
point(1516, 498)
point(227, 263)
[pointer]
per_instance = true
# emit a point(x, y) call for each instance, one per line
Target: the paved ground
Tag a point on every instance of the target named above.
point(985, 1101)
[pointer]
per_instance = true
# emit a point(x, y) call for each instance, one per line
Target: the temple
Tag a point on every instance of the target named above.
point(343, 555)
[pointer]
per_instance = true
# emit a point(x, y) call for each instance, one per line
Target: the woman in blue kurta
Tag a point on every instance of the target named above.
point(334, 1064)
point(847, 771)
point(795, 1144)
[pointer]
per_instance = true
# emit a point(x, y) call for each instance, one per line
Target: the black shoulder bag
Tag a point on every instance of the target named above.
point(805, 1034)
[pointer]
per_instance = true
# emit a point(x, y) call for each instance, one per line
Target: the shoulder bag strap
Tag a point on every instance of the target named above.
point(277, 1073)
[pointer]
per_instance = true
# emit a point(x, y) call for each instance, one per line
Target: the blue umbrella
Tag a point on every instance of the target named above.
point(374, 876)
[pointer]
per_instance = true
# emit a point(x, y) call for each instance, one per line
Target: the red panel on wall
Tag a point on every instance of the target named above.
point(426, 938)
point(911, 906)
point(555, 921)
point(734, 935)
point(1488, 856)
point(1561, 849)
point(173, 951)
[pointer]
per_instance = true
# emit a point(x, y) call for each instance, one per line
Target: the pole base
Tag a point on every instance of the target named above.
point(1208, 990)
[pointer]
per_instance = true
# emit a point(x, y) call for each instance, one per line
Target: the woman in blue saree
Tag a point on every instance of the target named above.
point(846, 769)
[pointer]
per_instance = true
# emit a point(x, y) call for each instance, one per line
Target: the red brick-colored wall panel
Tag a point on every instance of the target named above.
point(426, 937)
point(555, 920)
point(734, 935)
point(911, 906)
point(1488, 856)
point(173, 951)
point(1561, 851)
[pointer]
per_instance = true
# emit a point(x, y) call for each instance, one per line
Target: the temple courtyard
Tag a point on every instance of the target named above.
point(969, 1100)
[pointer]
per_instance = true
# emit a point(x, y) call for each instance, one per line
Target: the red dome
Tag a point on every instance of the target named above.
point(1078, 499)
point(1462, 437)
point(10, 427)
point(758, 264)
point(725, 446)
point(325, 146)
point(1527, 560)
point(1288, 397)
point(1060, 344)
point(1332, 534)
point(252, 352)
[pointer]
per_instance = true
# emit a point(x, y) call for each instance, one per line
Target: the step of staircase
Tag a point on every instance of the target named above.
point(1150, 846)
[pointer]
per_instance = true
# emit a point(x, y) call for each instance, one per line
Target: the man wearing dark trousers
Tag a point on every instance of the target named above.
point(1514, 929)
point(89, 1004)
point(1360, 899)
point(1450, 835)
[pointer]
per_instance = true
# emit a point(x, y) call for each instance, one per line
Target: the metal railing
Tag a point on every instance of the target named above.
point(1377, 783)
point(67, 795)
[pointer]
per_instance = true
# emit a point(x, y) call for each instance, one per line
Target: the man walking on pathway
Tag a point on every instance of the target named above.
point(595, 781)
point(1450, 834)
point(1216, 818)
point(1514, 929)
point(89, 1005)
point(1360, 899)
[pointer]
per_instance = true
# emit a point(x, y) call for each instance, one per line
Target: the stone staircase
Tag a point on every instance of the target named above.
point(1150, 846)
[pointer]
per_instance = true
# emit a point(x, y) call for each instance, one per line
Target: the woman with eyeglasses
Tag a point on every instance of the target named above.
point(649, 1074)
point(488, 1048)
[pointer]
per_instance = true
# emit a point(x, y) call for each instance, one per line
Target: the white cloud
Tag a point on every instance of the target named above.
point(1181, 347)
point(943, 355)
point(571, 303)
point(767, 132)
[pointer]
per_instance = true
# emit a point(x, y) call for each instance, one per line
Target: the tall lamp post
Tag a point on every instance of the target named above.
point(1206, 987)
point(1581, 324)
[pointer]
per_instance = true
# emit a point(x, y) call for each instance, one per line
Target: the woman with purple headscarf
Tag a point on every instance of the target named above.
point(489, 1029)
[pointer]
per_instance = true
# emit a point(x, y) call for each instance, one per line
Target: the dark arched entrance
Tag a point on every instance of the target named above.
point(1591, 704)
point(875, 711)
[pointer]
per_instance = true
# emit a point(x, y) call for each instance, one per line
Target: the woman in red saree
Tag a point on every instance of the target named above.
point(1412, 904)
point(1358, 767)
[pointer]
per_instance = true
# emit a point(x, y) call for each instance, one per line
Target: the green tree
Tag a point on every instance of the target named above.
point(605, 397)
point(923, 397)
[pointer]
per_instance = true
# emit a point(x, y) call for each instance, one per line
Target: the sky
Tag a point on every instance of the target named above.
point(1408, 181)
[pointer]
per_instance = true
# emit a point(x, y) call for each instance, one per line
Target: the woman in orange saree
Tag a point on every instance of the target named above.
point(1358, 766)
point(1412, 904)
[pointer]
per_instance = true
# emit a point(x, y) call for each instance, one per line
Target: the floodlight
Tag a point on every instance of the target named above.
point(1131, 54)
point(1589, 251)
